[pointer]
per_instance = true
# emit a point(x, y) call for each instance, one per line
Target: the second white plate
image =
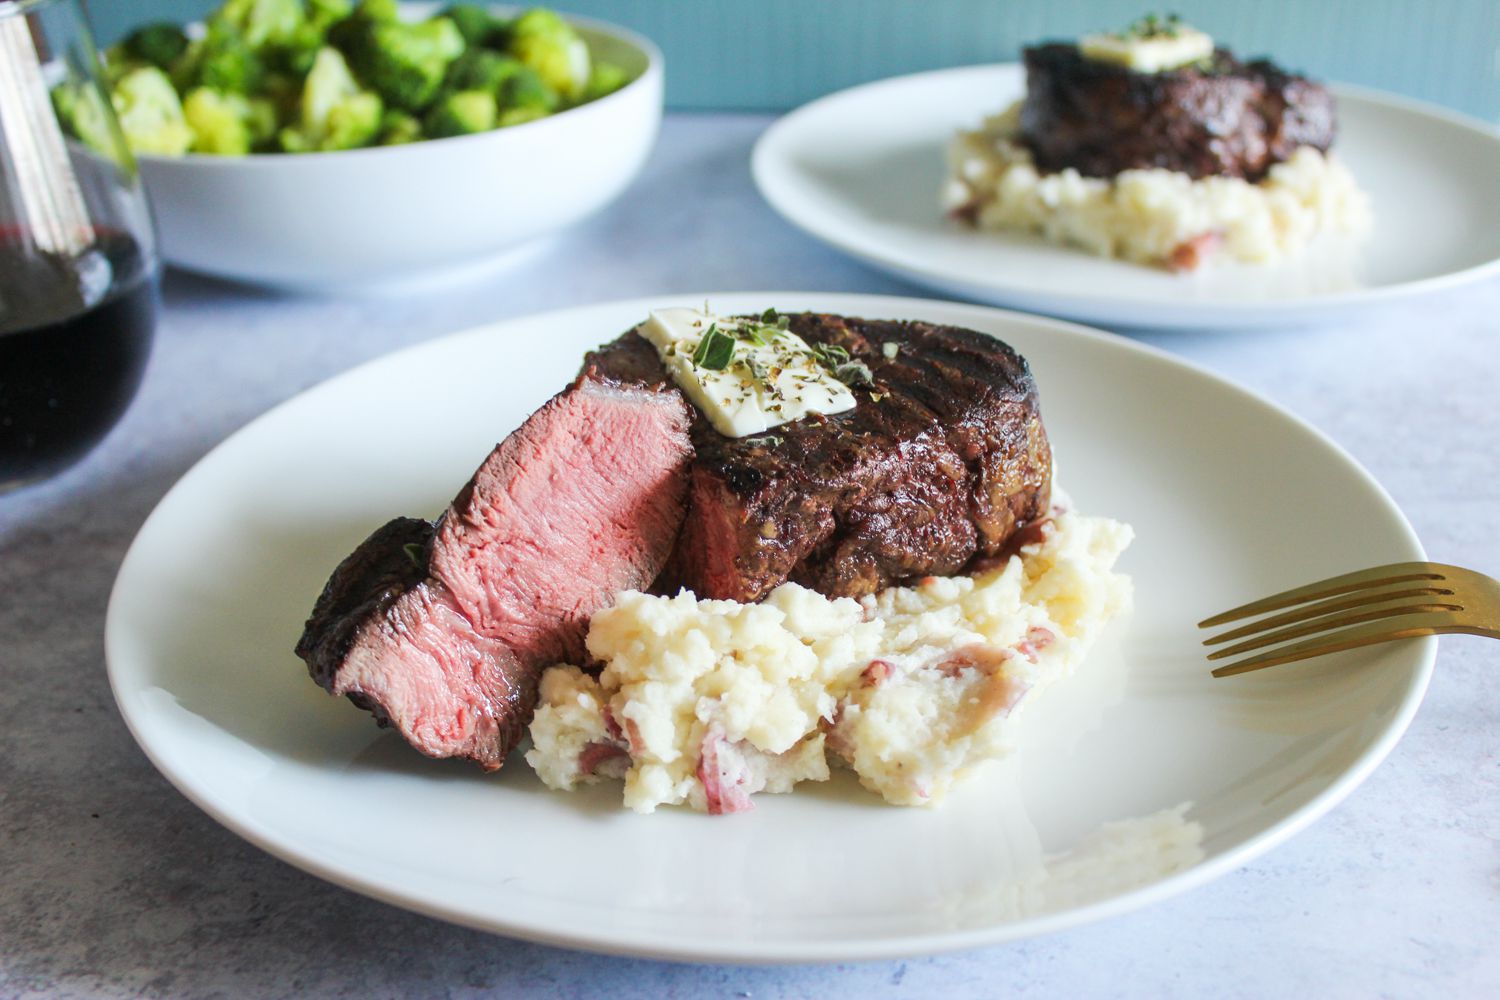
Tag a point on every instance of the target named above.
point(862, 169)
point(1230, 497)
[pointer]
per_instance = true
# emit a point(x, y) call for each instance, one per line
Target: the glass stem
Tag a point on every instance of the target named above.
point(51, 205)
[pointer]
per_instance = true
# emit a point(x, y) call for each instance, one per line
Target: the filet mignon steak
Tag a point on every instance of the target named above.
point(1228, 118)
point(944, 460)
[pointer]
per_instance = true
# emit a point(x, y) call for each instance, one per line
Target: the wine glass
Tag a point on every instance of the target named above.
point(78, 264)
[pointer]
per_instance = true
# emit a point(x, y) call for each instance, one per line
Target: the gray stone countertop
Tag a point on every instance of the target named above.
point(114, 885)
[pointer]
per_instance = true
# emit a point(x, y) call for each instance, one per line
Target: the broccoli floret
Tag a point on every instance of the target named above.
point(158, 45)
point(336, 112)
point(478, 26)
point(325, 12)
point(264, 119)
point(406, 63)
point(81, 110)
point(230, 66)
point(295, 55)
point(353, 32)
point(528, 90)
point(354, 122)
point(257, 22)
point(281, 95)
point(296, 52)
point(379, 10)
point(222, 60)
point(549, 45)
point(220, 122)
point(605, 79)
point(481, 69)
point(150, 114)
point(118, 62)
point(514, 84)
point(462, 113)
point(398, 128)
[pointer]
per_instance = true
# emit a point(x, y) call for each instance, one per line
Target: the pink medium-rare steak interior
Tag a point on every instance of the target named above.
point(569, 510)
point(449, 690)
point(443, 633)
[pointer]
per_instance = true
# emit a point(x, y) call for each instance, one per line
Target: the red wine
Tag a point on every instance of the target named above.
point(75, 334)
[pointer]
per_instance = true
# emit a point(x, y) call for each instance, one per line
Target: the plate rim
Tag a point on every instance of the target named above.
point(1172, 314)
point(656, 945)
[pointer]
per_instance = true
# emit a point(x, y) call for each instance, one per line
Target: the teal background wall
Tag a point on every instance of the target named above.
point(776, 54)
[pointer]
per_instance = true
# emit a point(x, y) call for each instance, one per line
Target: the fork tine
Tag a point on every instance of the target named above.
point(1331, 587)
point(1359, 600)
point(1361, 635)
point(1327, 623)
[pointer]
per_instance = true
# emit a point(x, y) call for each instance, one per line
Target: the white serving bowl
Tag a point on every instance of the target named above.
point(371, 217)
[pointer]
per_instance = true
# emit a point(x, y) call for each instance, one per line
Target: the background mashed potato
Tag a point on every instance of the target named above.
point(707, 702)
point(1150, 216)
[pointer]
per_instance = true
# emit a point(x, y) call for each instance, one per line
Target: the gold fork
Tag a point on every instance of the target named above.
point(1397, 601)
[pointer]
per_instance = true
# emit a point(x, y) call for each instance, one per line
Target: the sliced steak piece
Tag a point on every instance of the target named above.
point(368, 581)
point(443, 632)
point(1229, 119)
point(941, 463)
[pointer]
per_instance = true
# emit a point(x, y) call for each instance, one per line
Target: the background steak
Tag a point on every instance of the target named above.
point(947, 464)
point(443, 631)
point(1232, 119)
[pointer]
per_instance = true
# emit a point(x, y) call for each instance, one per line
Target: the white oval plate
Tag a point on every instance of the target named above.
point(861, 170)
point(1231, 499)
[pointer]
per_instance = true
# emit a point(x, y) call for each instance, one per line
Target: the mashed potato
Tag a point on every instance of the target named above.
point(708, 702)
point(1152, 216)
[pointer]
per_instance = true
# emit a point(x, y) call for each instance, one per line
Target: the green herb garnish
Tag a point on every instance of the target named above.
point(850, 371)
point(715, 349)
point(758, 334)
point(854, 373)
point(414, 553)
point(1153, 26)
point(830, 355)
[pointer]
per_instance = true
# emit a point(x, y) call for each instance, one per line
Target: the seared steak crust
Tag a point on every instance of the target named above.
point(942, 461)
point(1231, 119)
point(368, 581)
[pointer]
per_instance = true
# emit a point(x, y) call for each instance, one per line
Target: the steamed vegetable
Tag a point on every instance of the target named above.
point(81, 110)
point(478, 26)
point(226, 124)
point(406, 63)
point(321, 75)
point(336, 112)
point(549, 45)
point(158, 45)
point(150, 113)
point(463, 113)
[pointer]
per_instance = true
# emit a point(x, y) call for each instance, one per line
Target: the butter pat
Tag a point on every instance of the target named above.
point(772, 376)
point(1170, 47)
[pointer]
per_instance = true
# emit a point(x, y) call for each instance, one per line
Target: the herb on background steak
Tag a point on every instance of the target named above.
point(830, 355)
point(854, 373)
point(1153, 26)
